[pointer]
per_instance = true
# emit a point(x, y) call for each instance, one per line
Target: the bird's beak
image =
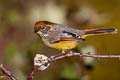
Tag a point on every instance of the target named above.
point(37, 32)
point(40, 34)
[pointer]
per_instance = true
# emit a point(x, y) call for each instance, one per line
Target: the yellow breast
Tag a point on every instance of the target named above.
point(62, 44)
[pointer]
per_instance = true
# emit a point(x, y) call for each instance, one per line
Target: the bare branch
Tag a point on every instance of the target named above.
point(82, 55)
point(7, 73)
point(30, 77)
point(41, 61)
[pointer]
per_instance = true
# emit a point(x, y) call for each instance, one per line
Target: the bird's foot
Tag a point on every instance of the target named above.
point(52, 58)
point(70, 52)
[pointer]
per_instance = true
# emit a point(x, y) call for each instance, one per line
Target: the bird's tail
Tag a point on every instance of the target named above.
point(90, 32)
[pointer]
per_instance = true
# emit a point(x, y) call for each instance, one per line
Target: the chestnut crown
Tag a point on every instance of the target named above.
point(42, 26)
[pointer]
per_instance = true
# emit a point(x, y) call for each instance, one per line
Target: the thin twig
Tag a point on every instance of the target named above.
point(7, 73)
point(57, 57)
point(30, 77)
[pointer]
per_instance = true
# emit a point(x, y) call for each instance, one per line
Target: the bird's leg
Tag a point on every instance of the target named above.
point(64, 51)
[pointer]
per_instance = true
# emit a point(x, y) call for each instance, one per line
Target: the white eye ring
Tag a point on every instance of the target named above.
point(43, 28)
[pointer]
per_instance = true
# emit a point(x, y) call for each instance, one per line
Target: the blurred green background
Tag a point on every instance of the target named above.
point(19, 44)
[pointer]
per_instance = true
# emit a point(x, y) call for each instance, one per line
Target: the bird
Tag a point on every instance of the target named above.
point(63, 37)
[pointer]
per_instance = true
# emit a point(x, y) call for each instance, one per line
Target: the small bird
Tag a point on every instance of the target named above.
point(63, 37)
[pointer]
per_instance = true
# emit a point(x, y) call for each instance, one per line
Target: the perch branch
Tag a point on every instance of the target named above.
point(42, 62)
point(62, 56)
point(57, 57)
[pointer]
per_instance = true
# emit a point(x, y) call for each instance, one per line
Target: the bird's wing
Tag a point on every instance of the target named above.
point(72, 34)
point(65, 34)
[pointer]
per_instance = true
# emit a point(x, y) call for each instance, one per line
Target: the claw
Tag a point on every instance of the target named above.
point(70, 52)
point(53, 58)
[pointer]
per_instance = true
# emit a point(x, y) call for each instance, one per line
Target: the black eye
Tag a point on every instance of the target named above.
point(43, 28)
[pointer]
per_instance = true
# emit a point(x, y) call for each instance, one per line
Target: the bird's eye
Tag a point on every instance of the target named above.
point(43, 28)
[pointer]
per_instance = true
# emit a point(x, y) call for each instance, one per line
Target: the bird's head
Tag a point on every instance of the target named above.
point(42, 28)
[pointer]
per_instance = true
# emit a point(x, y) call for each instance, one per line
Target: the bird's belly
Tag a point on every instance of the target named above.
point(65, 45)
point(62, 44)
